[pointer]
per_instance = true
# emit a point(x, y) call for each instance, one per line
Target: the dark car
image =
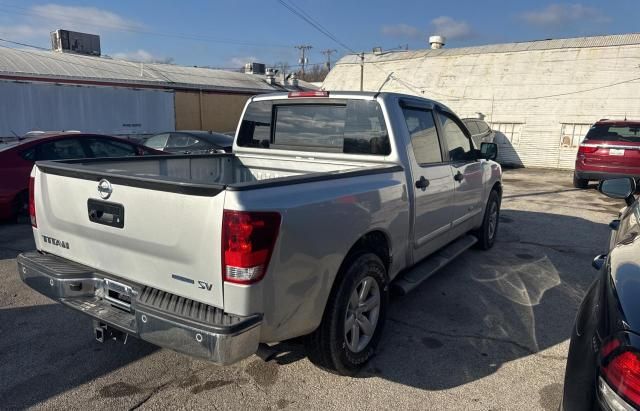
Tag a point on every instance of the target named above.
point(17, 157)
point(480, 131)
point(191, 142)
point(610, 149)
point(603, 364)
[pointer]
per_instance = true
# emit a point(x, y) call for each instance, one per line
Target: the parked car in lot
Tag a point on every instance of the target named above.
point(610, 149)
point(603, 364)
point(303, 230)
point(480, 131)
point(191, 142)
point(18, 156)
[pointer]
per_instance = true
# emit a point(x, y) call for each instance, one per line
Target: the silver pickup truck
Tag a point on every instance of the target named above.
point(326, 202)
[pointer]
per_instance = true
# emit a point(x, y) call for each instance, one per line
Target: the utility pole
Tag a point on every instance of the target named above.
point(303, 59)
point(328, 53)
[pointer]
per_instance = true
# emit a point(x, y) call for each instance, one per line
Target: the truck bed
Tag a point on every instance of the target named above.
point(208, 173)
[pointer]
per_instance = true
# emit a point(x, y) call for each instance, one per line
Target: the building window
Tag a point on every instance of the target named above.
point(507, 133)
point(572, 134)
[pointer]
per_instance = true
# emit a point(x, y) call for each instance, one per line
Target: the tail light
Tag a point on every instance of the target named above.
point(32, 201)
point(248, 239)
point(621, 371)
point(587, 149)
point(318, 93)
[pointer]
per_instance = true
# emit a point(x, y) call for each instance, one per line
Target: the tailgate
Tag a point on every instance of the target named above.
point(151, 235)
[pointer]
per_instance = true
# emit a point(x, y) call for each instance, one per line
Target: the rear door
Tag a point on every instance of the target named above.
point(466, 170)
point(432, 181)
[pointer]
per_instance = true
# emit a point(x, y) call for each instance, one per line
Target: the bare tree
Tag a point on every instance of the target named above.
point(315, 73)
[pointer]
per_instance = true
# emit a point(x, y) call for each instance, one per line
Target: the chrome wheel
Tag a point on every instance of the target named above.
point(362, 314)
point(493, 220)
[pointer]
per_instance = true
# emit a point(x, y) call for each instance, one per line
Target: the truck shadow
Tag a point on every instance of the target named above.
point(489, 308)
point(48, 349)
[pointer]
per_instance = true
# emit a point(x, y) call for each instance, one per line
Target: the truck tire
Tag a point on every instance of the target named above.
point(360, 298)
point(487, 233)
point(580, 182)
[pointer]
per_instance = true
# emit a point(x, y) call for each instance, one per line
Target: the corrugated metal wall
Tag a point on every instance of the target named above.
point(26, 106)
point(540, 89)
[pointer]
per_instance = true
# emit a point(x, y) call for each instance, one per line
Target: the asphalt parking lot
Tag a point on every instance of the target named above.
point(488, 332)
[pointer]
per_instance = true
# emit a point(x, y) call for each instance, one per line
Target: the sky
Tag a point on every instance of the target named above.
point(229, 33)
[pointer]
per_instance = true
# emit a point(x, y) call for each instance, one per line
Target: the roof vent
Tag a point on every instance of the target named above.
point(271, 76)
point(65, 41)
point(254, 68)
point(293, 79)
point(437, 42)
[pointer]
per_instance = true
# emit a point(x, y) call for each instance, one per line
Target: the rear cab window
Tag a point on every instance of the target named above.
point(614, 132)
point(336, 126)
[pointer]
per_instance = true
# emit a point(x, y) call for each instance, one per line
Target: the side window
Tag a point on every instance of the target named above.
point(181, 140)
point(29, 155)
point(158, 142)
point(457, 142)
point(483, 126)
point(60, 150)
point(472, 126)
point(109, 148)
point(424, 136)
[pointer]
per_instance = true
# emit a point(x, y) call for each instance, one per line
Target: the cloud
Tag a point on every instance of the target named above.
point(556, 15)
point(142, 56)
point(40, 20)
point(241, 61)
point(452, 29)
point(402, 30)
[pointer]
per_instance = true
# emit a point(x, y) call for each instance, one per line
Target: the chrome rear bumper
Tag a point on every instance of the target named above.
point(159, 317)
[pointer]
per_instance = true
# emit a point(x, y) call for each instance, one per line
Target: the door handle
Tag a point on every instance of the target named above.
point(422, 184)
point(459, 176)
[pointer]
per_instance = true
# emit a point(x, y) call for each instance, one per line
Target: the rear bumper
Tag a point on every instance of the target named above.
point(602, 175)
point(161, 318)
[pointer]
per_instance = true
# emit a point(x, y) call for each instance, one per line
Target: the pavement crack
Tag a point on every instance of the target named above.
point(561, 248)
point(151, 394)
point(473, 336)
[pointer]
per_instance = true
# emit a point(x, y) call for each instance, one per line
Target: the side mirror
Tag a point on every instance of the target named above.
point(489, 151)
point(622, 188)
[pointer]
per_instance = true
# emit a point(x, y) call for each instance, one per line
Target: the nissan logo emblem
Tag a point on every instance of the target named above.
point(104, 189)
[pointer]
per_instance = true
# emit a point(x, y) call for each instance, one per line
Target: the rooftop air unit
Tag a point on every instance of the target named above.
point(255, 68)
point(66, 41)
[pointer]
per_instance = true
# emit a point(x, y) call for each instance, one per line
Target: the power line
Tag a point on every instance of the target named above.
point(304, 16)
point(134, 29)
point(124, 64)
point(153, 67)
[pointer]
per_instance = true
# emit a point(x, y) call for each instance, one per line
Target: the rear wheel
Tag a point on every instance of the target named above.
point(354, 317)
point(487, 233)
point(580, 182)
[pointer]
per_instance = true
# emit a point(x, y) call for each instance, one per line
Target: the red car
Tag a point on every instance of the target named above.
point(18, 156)
point(610, 149)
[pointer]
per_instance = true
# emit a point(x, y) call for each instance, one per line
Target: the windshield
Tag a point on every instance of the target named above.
point(605, 132)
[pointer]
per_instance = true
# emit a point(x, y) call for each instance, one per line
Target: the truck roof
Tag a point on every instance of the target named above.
point(320, 94)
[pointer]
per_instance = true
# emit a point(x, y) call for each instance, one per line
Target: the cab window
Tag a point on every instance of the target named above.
point(458, 144)
point(424, 135)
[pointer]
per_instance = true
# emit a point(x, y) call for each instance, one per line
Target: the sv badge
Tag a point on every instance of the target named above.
point(205, 285)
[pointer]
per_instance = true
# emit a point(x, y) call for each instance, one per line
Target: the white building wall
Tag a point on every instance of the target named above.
point(538, 89)
point(28, 106)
